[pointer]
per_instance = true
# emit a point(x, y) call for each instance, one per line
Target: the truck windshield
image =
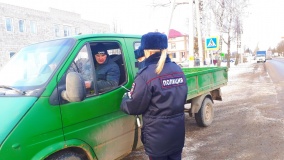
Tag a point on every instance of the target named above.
point(260, 55)
point(33, 65)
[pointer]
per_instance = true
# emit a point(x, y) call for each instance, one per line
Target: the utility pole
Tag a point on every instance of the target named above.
point(190, 31)
point(171, 16)
point(190, 34)
point(200, 47)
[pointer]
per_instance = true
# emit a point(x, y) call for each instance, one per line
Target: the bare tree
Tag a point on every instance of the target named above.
point(166, 4)
point(280, 47)
point(228, 15)
point(256, 49)
point(114, 26)
point(238, 29)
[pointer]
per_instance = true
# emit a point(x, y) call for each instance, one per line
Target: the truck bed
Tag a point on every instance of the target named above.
point(201, 80)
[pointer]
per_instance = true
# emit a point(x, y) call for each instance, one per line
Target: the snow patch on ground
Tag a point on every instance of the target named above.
point(257, 87)
point(193, 147)
point(253, 88)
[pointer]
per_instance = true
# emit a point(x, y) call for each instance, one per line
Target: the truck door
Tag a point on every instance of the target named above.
point(97, 120)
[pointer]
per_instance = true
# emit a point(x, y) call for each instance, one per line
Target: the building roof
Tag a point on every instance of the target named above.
point(174, 33)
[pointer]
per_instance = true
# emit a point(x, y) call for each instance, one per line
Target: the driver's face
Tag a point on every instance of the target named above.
point(100, 58)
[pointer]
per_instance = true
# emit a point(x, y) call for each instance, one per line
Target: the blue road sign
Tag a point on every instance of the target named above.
point(212, 43)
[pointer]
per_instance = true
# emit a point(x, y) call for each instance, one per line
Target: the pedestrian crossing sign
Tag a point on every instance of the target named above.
point(212, 43)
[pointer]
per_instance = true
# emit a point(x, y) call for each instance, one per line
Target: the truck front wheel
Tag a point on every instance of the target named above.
point(205, 115)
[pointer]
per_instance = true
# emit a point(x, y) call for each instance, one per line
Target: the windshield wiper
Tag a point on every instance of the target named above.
point(14, 89)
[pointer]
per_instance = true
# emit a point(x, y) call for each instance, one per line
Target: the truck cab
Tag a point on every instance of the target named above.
point(48, 113)
point(260, 56)
point(37, 122)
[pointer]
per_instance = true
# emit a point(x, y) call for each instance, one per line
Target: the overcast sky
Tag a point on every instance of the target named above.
point(264, 25)
point(133, 16)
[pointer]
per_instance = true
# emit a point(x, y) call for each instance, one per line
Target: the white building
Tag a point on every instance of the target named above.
point(22, 26)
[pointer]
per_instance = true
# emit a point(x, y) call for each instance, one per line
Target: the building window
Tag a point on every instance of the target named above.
point(12, 54)
point(173, 46)
point(56, 30)
point(174, 55)
point(9, 24)
point(66, 31)
point(182, 55)
point(33, 27)
point(21, 25)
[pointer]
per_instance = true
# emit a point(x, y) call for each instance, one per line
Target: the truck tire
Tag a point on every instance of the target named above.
point(205, 115)
point(67, 155)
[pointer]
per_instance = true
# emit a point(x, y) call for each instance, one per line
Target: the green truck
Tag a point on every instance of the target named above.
point(46, 112)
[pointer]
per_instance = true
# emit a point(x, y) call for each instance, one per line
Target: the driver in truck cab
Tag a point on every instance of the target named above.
point(107, 71)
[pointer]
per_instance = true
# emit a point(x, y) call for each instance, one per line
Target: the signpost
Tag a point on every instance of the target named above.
point(212, 43)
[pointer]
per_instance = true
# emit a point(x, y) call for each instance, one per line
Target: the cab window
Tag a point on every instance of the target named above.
point(101, 77)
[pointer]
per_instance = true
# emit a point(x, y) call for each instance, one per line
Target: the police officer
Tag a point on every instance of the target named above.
point(159, 93)
point(139, 55)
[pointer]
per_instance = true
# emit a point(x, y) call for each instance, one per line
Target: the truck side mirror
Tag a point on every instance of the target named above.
point(75, 88)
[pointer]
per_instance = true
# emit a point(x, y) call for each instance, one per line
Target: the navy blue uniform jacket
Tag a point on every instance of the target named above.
point(160, 99)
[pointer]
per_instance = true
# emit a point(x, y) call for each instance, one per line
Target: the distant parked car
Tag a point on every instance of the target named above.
point(184, 63)
point(231, 60)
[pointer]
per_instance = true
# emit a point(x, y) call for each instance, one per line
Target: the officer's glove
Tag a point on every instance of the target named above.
point(127, 95)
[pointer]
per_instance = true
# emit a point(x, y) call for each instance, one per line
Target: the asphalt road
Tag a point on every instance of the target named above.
point(248, 123)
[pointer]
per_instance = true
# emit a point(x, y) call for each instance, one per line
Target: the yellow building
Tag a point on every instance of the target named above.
point(178, 46)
